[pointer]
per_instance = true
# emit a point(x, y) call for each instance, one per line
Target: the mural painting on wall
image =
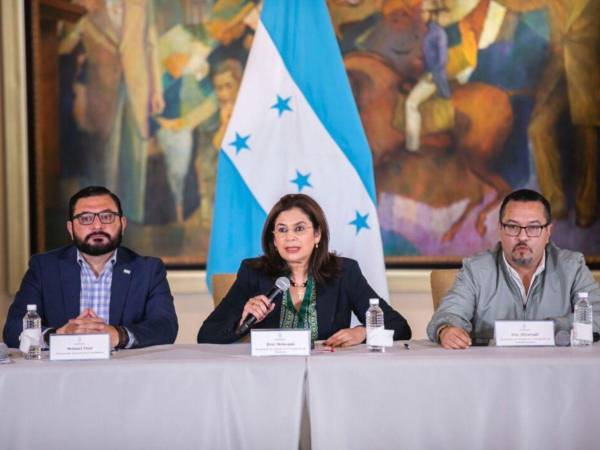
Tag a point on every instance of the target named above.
point(461, 100)
point(465, 100)
point(147, 88)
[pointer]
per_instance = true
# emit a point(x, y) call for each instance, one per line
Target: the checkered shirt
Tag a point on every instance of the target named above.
point(95, 291)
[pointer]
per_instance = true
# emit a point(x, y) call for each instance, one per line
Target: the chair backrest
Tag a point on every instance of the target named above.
point(441, 282)
point(221, 283)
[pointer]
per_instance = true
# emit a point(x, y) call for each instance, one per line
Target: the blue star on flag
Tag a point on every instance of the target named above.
point(360, 222)
point(301, 180)
point(240, 143)
point(282, 105)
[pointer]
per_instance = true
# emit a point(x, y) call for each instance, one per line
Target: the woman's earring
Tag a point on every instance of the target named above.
point(317, 245)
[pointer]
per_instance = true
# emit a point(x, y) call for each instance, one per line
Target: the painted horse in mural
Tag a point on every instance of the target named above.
point(482, 119)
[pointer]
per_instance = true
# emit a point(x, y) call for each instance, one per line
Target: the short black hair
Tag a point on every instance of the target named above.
point(526, 195)
point(92, 191)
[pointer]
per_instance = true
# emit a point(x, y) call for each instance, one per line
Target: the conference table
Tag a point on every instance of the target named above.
point(220, 397)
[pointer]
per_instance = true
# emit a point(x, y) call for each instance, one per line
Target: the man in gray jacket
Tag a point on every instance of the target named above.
point(526, 277)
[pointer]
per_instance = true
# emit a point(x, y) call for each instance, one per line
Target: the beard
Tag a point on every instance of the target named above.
point(89, 248)
point(520, 259)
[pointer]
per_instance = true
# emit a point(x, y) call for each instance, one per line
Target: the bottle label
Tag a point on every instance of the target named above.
point(583, 331)
point(380, 337)
point(29, 337)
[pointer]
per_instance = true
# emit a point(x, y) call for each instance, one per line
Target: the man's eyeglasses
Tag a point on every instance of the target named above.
point(87, 218)
point(530, 230)
point(298, 230)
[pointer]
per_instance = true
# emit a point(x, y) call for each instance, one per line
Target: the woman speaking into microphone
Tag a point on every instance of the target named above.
point(324, 289)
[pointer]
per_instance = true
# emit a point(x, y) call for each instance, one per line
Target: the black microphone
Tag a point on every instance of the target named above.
point(562, 338)
point(3, 352)
point(282, 284)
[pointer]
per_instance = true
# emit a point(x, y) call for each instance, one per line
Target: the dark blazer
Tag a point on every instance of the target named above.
point(140, 297)
point(336, 299)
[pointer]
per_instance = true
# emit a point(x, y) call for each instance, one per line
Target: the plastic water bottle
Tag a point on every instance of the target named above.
point(32, 327)
point(374, 320)
point(582, 322)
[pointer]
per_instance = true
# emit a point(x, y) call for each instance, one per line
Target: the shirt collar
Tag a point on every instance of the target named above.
point(515, 275)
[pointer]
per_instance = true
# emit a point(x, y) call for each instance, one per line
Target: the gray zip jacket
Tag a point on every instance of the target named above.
point(484, 292)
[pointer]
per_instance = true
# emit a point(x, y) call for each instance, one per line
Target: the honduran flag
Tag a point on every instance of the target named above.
point(295, 128)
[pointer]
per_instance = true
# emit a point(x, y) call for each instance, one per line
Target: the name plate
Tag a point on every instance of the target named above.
point(525, 333)
point(276, 342)
point(68, 347)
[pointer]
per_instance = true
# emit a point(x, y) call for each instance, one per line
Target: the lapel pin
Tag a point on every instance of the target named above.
point(127, 271)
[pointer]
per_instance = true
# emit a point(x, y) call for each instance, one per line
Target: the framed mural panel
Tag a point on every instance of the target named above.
point(142, 91)
point(516, 104)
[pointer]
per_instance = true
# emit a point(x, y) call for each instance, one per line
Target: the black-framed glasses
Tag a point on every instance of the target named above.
point(87, 218)
point(530, 230)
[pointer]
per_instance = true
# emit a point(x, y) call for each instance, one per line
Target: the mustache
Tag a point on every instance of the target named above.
point(96, 234)
point(522, 243)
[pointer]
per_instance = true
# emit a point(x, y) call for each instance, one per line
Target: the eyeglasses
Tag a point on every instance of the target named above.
point(530, 230)
point(298, 230)
point(87, 218)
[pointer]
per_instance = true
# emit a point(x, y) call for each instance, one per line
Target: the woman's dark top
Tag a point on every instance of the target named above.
point(336, 300)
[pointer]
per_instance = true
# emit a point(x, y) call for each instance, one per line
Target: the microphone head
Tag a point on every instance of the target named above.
point(3, 351)
point(562, 338)
point(282, 283)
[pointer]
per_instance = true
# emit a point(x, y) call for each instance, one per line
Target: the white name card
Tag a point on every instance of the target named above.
point(279, 342)
point(515, 333)
point(380, 337)
point(67, 347)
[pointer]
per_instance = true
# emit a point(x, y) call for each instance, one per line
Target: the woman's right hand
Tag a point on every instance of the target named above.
point(259, 307)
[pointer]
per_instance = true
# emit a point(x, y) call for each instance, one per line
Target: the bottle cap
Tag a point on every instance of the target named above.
point(31, 307)
point(373, 301)
point(582, 295)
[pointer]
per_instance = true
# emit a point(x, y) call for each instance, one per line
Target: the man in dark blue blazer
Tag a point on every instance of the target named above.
point(95, 285)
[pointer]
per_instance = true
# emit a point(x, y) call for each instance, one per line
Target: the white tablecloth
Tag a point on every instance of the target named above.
point(167, 397)
point(218, 397)
point(480, 398)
